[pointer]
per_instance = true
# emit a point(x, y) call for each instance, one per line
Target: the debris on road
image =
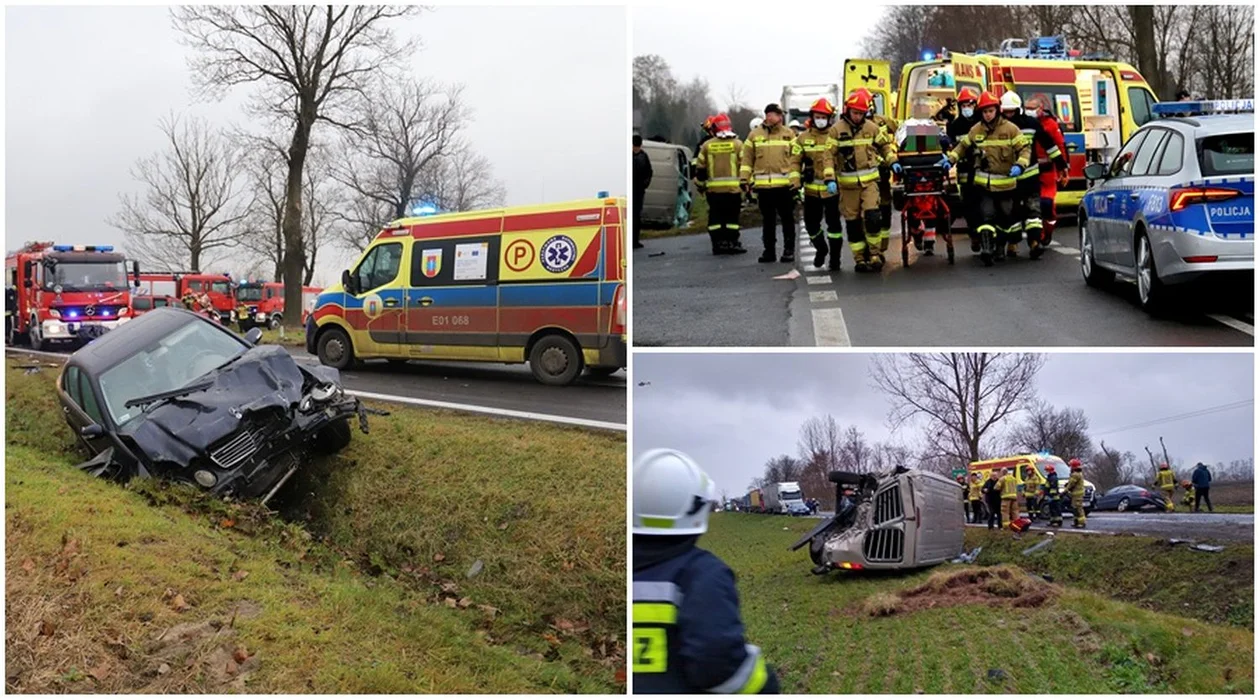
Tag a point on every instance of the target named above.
point(1208, 548)
point(475, 569)
point(656, 255)
point(967, 557)
point(1040, 545)
point(789, 276)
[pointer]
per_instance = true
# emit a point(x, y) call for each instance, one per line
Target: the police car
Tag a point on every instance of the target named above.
point(1176, 204)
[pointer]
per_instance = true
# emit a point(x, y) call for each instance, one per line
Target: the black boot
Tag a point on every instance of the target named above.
point(767, 257)
point(735, 247)
point(820, 250)
point(788, 256)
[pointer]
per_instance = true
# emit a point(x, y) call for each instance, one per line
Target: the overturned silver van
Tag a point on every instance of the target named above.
point(903, 519)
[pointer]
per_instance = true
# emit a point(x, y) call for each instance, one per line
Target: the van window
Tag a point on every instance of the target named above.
point(1146, 154)
point(460, 261)
point(1124, 162)
point(1140, 102)
point(380, 266)
point(1170, 162)
point(1059, 100)
point(142, 303)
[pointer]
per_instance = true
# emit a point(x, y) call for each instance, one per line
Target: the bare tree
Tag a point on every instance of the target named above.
point(1111, 467)
point(320, 215)
point(964, 398)
point(782, 468)
point(464, 181)
point(405, 129)
point(1223, 68)
point(818, 449)
point(311, 61)
point(193, 205)
point(1062, 432)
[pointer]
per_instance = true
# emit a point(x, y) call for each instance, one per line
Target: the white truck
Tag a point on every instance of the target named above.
point(798, 98)
point(784, 498)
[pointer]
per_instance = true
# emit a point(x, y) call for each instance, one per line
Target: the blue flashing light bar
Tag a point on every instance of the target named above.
point(424, 210)
point(83, 248)
point(1201, 107)
point(928, 55)
point(602, 194)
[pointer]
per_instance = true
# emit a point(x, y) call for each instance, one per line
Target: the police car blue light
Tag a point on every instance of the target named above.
point(1176, 204)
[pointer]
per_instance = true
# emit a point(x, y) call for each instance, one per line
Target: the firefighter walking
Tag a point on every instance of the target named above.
point(1168, 485)
point(770, 165)
point(888, 128)
point(717, 176)
point(860, 148)
point(1052, 492)
point(956, 130)
point(1008, 485)
point(1000, 153)
point(1076, 490)
point(822, 194)
point(1028, 209)
point(688, 635)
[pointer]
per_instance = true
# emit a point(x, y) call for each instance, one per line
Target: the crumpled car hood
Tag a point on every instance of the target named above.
point(264, 377)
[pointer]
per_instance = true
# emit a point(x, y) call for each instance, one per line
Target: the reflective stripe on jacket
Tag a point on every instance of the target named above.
point(771, 158)
point(994, 148)
point(719, 160)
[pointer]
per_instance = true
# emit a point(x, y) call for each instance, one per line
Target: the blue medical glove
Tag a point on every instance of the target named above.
point(1016, 170)
point(896, 168)
point(832, 188)
point(945, 164)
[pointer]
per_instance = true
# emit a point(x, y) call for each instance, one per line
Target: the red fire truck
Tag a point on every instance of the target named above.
point(218, 288)
point(262, 303)
point(65, 294)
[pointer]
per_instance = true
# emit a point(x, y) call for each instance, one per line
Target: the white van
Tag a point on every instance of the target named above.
point(667, 202)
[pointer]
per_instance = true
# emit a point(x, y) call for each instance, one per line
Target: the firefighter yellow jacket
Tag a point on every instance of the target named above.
point(817, 161)
point(889, 126)
point(995, 148)
point(717, 164)
point(1009, 487)
point(771, 158)
point(1166, 479)
point(860, 150)
point(1076, 485)
point(973, 491)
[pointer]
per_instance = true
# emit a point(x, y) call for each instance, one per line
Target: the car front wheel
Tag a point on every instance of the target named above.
point(1151, 290)
point(1095, 276)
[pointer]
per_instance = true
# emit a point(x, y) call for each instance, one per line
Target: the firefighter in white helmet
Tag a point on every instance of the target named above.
point(688, 635)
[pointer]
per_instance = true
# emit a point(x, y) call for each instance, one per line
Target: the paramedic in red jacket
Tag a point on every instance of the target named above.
point(1054, 172)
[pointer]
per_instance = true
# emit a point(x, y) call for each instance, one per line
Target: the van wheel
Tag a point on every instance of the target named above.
point(335, 349)
point(555, 360)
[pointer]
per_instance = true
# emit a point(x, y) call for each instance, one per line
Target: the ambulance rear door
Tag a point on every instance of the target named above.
point(874, 75)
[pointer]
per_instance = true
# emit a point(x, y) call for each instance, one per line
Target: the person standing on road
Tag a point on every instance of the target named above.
point(1032, 488)
point(1168, 485)
point(888, 128)
point(1202, 480)
point(770, 164)
point(717, 176)
point(688, 635)
point(1028, 220)
point(962, 485)
point(642, 178)
point(818, 172)
point(1051, 488)
point(1076, 490)
point(974, 492)
point(955, 130)
point(861, 147)
point(1008, 485)
point(1053, 165)
point(1001, 154)
point(993, 497)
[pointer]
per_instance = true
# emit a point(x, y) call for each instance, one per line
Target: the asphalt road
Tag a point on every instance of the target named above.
point(1234, 527)
point(685, 296)
point(495, 388)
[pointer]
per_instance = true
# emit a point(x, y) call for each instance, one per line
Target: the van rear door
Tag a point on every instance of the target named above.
point(874, 75)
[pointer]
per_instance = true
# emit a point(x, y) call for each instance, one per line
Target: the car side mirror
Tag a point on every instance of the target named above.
point(93, 431)
point(253, 335)
point(1095, 171)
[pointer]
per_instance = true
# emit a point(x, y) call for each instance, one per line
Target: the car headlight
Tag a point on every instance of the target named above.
point(205, 478)
point(324, 392)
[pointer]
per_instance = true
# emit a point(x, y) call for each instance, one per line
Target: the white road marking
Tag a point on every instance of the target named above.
point(818, 279)
point(829, 328)
point(1066, 250)
point(825, 295)
point(430, 403)
point(1234, 323)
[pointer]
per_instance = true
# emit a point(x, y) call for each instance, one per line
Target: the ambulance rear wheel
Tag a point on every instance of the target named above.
point(555, 360)
point(334, 349)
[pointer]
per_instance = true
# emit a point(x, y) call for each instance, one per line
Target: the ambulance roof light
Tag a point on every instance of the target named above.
point(927, 55)
point(1202, 107)
point(602, 194)
point(424, 209)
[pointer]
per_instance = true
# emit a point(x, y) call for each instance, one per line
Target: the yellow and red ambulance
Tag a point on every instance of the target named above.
point(543, 284)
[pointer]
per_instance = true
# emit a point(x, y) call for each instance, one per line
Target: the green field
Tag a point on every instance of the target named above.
point(361, 587)
point(1123, 615)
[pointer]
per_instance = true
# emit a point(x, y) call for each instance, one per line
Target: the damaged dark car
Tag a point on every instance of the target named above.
point(174, 396)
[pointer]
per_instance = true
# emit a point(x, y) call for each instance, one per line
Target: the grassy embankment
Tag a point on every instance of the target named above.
point(362, 587)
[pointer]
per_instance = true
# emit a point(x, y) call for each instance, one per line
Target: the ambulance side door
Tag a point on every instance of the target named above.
point(453, 298)
point(376, 310)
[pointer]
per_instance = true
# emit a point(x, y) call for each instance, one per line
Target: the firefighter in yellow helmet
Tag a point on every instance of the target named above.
point(861, 147)
point(770, 164)
point(1009, 486)
point(1076, 490)
point(717, 176)
point(822, 194)
point(1000, 153)
point(1168, 485)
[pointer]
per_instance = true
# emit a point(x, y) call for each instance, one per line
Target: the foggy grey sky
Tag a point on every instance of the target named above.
point(732, 412)
point(87, 86)
point(727, 45)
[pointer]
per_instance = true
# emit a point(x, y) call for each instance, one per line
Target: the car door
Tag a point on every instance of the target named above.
point(83, 409)
point(1134, 188)
point(452, 299)
point(379, 301)
point(1106, 205)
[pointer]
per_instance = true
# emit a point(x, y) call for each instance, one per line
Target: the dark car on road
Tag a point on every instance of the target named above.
point(176, 396)
point(1129, 497)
